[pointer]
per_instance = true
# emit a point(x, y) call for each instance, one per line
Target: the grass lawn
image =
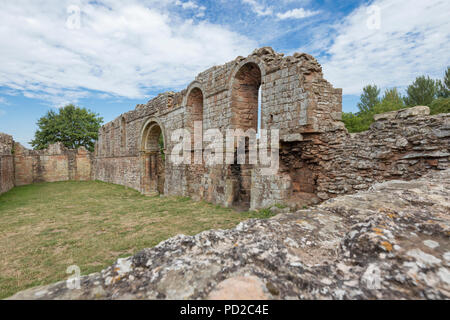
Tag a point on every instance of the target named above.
point(45, 228)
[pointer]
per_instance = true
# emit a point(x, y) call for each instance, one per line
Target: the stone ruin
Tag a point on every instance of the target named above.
point(388, 239)
point(6, 163)
point(20, 166)
point(318, 158)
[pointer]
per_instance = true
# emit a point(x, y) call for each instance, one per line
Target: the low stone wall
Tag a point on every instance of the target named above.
point(6, 163)
point(56, 163)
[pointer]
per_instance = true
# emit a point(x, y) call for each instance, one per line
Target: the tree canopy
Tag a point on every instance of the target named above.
point(73, 126)
point(369, 98)
point(423, 91)
point(444, 86)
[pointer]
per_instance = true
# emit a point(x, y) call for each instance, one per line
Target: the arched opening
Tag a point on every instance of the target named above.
point(246, 114)
point(246, 96)
point(153, 159)
point(195, 114)
point(195, 105)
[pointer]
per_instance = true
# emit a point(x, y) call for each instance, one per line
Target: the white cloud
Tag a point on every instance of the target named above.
point(122, 48)
point(414, 39)
point(259, 8)
point(3, 101)
point(298, 13)
point(189, 5)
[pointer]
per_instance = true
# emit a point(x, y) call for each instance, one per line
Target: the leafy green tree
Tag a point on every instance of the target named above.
point(361, 121)
point(74, 127)
point(422, 92)
point(369, 98)
point(447, 78)
point(392, 100)
point(161, 146)
point(357, 122)
point(441, 105)
point(444, 86)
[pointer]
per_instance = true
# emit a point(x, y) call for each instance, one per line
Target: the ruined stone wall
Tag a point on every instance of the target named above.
point(400, 145)
point(20, 166)
point(318, 158)
point(6, 163)
point(118, 154)
point(295, 99)
point(56, 163)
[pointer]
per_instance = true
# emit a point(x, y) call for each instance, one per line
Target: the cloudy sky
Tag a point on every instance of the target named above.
point(109, 55)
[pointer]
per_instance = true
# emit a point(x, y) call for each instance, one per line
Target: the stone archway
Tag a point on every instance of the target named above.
point(153, 145)
point(245, 109)
point(194, 113)
point(245, 96)
point(195, 105)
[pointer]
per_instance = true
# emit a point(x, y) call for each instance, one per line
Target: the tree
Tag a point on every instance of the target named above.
point(422, 92)
point(369, 98)
point(392, 100)
point(357, 122)
point(74, 127)
point(362, 121)
point(161, 146)
point(447, 78)
point(444, 86)
point(441, 105)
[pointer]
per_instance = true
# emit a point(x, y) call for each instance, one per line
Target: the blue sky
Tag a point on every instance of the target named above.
point(109, 55)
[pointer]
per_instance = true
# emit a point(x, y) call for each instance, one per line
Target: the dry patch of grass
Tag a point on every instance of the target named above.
point(48, 227)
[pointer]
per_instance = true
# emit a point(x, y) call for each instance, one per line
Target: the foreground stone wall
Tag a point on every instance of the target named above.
point(57, 163)
point(6, 163)
point(387, 243)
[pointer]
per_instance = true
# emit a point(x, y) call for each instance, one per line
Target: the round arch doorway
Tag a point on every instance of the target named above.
point(153, 159)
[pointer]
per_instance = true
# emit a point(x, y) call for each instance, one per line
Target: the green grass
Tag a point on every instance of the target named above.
point(45, 228)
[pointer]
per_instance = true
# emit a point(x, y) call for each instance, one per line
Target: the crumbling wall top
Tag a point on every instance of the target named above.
point(209, 80)
point(6, 144)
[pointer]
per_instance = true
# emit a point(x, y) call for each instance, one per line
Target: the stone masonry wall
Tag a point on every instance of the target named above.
point(6, 163)
point(295, 99)
point(318, 158)
point(56, 163)
point(400, 145)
